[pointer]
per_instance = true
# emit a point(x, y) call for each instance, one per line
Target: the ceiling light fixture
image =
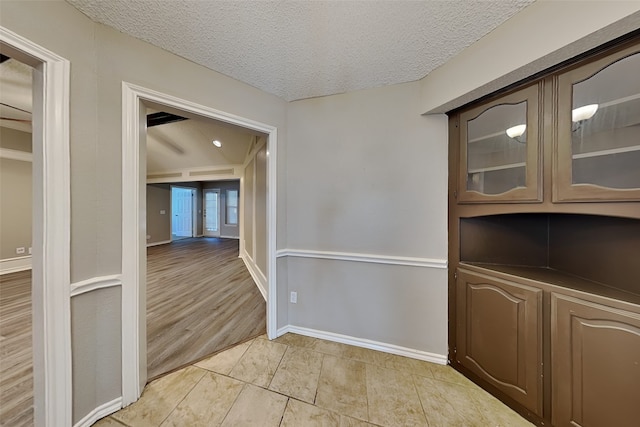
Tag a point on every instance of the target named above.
point(217, 143)
point(516, 131)
point(583, 113)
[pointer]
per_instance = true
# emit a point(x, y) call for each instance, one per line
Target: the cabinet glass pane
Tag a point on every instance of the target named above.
point(497, 149)
point(605, 133)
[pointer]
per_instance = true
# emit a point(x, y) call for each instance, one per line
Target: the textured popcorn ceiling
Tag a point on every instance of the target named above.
point(302, 49)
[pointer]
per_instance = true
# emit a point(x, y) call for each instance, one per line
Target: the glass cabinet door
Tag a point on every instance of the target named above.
point(500, 151)
point(598, 142)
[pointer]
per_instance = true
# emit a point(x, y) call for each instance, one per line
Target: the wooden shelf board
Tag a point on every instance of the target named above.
point(560, 279)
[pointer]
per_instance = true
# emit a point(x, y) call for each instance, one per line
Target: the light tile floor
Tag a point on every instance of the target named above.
point(301, 381)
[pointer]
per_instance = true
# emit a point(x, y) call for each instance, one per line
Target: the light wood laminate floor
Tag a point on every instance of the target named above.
point(200, 300)
point(16, 354)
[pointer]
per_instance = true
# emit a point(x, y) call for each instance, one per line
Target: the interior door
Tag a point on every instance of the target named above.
point(182, 212)
point(211, 212)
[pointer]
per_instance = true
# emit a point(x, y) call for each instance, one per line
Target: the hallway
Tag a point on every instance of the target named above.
point(200, 300)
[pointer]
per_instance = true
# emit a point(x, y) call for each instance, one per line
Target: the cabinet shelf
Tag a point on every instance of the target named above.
point(556, 278)
point(499, 167)
point(606, 152)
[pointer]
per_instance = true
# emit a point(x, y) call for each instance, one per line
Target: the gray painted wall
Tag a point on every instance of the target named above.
point(101, 59)
point(15, 196)
point(226, 230)
point(158, 224)
point(371, 179)
point(360, 172)
point(95, 327)
point(247, 209)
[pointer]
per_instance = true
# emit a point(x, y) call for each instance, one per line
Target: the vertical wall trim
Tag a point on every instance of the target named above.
point(51, 230)
point(134, 229)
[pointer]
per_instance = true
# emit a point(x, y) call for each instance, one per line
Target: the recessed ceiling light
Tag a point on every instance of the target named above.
point(217, 143)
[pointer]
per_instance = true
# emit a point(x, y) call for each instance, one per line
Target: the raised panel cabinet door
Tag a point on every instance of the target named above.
point(598, 139)
point(595, 362)
point(499, 335)
point(500, 151)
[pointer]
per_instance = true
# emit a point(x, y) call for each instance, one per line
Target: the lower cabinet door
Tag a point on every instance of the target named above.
point(499, 335)
point(595, 362)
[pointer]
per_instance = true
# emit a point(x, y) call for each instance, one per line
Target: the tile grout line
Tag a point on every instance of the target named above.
point(186, 394)
point(415, 387)
point(278, 367)
point(244, 386)
point(315, 397)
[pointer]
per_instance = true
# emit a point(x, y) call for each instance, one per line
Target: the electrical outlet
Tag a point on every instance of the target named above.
point(163, 212)
point(148, 236)
point(19, 251)
point(29, 251)
point(294, 297)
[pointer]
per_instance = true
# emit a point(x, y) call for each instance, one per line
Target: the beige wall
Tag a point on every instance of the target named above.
point(15, 196)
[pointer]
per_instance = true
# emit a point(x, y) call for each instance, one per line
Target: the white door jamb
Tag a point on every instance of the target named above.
point(51, 273)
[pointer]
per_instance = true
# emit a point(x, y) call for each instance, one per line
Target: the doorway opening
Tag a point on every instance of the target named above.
point(211, 212)
point(183, 212)
point(136, 100)
point(16, 213)
point(200, 295)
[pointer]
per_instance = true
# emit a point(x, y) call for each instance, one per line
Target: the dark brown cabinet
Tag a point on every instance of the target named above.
point(500, 335)
point(544, 242)
point(598, 143)
point(500, 153)
point(595, 363)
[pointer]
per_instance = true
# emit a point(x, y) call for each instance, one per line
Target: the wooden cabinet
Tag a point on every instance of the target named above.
point(544, 241)
point(586, 117)
point(595, 363)
point(500, 335)
point(500, 153)
point(598, 141)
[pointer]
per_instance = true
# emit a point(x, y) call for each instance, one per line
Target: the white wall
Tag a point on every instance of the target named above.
point(367, 174)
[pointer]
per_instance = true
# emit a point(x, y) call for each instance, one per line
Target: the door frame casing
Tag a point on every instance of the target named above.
point(134, 217)
point(51, 241)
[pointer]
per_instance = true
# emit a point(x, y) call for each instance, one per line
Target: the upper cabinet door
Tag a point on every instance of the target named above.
point(598, 140)
point(500, 150)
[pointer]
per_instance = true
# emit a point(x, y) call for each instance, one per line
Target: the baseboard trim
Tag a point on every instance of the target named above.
point(440, 359)
point(360, 257)
point(256, 274)
point(230, 237)
point(94, 283)
point(13, 265)
point(164, 242)
point(100, 412)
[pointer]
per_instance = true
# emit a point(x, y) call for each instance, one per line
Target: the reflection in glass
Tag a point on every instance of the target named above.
point(605, 131)
point(497, 149)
